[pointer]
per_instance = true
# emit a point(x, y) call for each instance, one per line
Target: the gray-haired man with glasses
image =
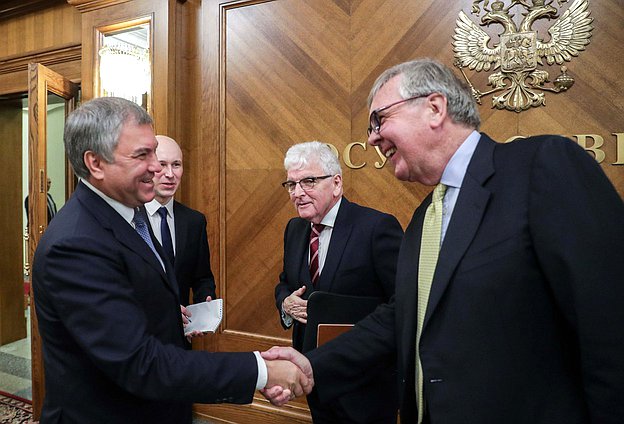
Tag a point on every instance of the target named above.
point(336, 246)
point(509, 288)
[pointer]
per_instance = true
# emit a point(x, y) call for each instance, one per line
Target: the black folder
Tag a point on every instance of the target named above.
point(338, 311)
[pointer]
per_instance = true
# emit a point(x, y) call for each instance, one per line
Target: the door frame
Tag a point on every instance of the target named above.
point(41, 81)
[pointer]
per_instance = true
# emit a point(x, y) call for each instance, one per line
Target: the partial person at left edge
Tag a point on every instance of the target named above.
point(107, 303)
point(51, 204)
point(180, 230)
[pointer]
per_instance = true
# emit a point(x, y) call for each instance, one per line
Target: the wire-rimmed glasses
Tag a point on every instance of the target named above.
point(306, 183)
point(374, 120)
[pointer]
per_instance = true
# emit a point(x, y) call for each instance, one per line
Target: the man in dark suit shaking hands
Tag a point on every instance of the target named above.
point(107, 301)
point(180, 230)
point(355, 253)
point(520, 319)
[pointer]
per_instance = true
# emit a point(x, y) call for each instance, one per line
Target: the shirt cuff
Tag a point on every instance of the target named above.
point(286, 319)
point(262, 372)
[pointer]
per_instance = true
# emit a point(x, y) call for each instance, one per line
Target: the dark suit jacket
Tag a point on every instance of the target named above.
point(51, 207)
point(361, 261)
point(525, 317)
point(192, 261)
point(111, 327)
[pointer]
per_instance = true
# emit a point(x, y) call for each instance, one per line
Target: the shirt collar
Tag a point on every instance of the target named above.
point(126, 212)
point(153, 206)
point(330, 218)
point(456, 168)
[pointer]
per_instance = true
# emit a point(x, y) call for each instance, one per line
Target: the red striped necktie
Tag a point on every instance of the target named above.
point(314, 252)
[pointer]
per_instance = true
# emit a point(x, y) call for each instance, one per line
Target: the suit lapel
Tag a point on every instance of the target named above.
point(298, 241)
point(467, 215)
point(169, 271)
point(407, 281)
point(126, 237)
point(181, 224)
point(339, 238)
point(121, 230)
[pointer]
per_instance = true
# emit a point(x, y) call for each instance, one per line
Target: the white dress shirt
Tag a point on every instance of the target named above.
point(324, 238)
point(152, 213)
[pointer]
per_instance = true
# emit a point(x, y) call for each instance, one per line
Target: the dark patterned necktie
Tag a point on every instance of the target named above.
point(314, 252)
point(140, 225)
point(165, 235)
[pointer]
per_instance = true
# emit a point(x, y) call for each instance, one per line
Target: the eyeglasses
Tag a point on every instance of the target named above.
point(306, 183)
point(374, 120)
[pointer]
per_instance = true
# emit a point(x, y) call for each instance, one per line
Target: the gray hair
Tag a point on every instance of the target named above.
point(96, 126)
point(425, 76)
point(302, 154)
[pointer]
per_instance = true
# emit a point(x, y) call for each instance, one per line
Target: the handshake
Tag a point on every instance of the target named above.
point(289, 375)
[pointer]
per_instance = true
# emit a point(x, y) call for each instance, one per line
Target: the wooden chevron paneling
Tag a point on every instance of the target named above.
point(301, 70)
point(287, 80)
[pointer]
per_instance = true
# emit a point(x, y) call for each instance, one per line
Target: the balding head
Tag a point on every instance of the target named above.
point(169, 142)
point(167, 180)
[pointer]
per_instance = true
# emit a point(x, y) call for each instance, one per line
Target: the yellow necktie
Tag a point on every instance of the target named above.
point(429, 250)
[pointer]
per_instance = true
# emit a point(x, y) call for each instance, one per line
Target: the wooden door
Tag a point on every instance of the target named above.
point(45, 87)
point(280, 72)
point(12, 318)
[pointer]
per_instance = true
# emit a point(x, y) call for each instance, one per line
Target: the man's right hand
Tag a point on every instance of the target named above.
point(295, 306)
point(289, 375)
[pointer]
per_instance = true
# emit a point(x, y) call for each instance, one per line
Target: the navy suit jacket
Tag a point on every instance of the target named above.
point(525, 316)
point(111, 329)
point(361, 261)
point(192, 259)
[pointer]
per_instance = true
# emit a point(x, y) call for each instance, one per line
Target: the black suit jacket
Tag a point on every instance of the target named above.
point(192, 260)
point(111, 328)
point(525, 317)
point(51, 207)
point(361, 261)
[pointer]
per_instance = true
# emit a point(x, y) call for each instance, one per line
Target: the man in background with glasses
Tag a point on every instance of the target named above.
point(340, 247)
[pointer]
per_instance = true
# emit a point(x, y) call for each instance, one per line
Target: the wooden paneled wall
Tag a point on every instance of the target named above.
point(40, 30)
point(49, 35)
point(280, 72)
point(243, 80)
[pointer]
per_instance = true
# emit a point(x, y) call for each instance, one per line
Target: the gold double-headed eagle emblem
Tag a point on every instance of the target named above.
point(518, 84)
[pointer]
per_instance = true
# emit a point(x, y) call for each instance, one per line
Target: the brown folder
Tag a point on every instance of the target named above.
point(334, 312)
point(326, 332)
